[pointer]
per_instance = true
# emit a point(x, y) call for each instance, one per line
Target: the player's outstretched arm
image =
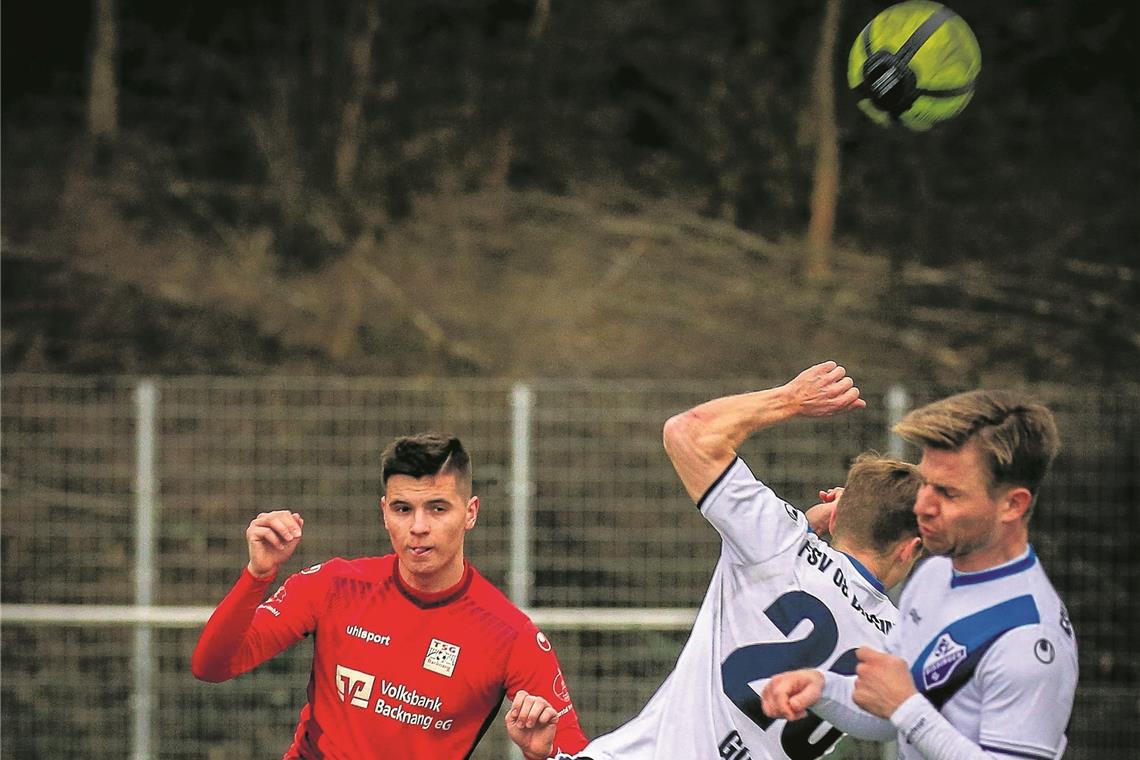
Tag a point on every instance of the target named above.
point(531, 725)
point(789, 695)
point(272, 537)
point(702, 442)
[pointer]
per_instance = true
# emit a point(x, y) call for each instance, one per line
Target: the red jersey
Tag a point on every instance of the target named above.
point(396, 673)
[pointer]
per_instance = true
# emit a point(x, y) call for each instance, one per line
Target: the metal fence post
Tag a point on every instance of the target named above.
point(146, 397)
point(521, 573)
point(898, 404)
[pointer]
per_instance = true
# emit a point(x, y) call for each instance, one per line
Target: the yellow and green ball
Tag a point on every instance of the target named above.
point(915, 64)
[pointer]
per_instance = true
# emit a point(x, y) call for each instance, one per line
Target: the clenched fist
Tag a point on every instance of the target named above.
point(272, 537)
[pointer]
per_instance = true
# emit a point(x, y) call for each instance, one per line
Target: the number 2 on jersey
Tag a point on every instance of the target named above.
point(756, 661)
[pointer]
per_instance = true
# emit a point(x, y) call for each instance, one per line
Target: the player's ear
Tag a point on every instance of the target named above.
point(1016, 503)
point(472, 511)
point(912, 550)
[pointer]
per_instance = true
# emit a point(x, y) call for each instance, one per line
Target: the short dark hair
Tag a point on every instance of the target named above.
point(423, 455)
point(878, 502)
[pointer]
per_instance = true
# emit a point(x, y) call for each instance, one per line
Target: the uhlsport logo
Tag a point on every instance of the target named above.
point(370, 636)
point(941, 662)
point(441, 657)
point(354, 686)
point(543, 642)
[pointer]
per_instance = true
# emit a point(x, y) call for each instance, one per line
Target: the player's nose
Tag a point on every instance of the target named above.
point(420, 523)
point(926, 503)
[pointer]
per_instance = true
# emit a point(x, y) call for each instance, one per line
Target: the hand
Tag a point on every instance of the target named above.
point(788, 695)
point(882, 682)
point(531, 724)
point(831, 495)
point(824, 390)
point(819, 516)
point(272, 537)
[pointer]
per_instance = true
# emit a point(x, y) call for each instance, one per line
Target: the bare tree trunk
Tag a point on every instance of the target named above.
point(538, 20)
point(103, 87)
point(499, 169)
point(825, 180)
point(350, 136)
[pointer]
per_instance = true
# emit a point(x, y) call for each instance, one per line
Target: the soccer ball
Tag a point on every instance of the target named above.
point(914, 65)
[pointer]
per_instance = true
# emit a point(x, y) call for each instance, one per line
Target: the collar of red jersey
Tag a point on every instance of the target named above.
point(429, 599)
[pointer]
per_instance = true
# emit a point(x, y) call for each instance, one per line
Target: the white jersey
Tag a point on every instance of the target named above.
point(780, 599)
point(994, 652)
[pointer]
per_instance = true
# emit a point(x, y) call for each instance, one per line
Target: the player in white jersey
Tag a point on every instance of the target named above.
point(780, 596)
point(983, 665)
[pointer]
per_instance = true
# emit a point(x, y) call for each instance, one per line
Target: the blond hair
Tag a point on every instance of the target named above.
point(878, 502)
point(1017, 437)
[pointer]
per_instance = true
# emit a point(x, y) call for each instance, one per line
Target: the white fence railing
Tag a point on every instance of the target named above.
point(124, 505)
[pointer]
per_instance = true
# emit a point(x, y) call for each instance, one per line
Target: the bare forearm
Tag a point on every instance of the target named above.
point(703, 441)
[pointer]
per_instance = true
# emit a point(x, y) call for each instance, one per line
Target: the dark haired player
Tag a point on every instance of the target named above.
point(414, 651)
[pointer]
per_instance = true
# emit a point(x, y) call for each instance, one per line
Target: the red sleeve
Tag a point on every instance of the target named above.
point(534, 667)
point(244, 632)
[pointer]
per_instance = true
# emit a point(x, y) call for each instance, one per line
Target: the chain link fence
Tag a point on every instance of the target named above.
point(608, 525)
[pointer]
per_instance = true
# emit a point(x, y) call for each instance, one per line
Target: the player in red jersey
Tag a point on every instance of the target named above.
point(414, 651)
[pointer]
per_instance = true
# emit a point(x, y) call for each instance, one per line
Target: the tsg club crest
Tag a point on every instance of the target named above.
point(441, 657)
point(941, 662)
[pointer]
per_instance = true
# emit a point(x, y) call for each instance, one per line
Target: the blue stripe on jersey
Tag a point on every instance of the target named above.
point(715, 483)
point(969, 579)
point(1014, 753)
point(949, 659)
point(865, 573)
point(961, 675)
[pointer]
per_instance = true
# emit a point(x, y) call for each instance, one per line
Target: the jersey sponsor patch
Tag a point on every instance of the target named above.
point(441, 657)
point(354, 686)
point(942, 661)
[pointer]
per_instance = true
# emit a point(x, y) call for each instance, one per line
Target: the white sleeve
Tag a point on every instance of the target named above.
point(1027, 694)
point(754, 523)
point(1027, 681)
point(838, 708)
point(922, 727)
